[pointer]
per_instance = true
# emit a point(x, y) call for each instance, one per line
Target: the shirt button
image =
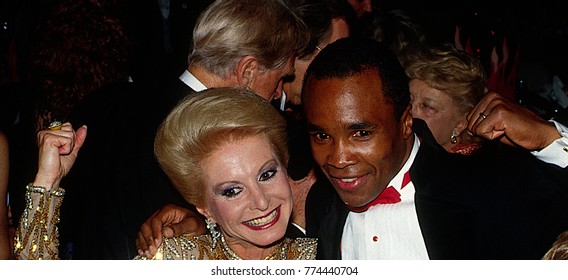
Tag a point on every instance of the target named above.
point(375, 238)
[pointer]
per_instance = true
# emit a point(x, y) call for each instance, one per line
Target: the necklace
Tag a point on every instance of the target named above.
point(279, 253)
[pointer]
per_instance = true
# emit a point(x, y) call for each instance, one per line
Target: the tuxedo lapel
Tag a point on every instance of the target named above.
point(330, 231)
point(446, 225)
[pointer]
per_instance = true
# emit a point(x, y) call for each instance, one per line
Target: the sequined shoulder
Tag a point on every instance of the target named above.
point(185, 247)
point(303, 249)
point(188, 247)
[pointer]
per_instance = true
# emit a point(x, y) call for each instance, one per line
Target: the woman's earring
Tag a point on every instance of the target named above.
point(215, 233)
point(454, 137)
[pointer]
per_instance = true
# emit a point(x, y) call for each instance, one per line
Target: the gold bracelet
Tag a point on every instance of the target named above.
point(59, 192)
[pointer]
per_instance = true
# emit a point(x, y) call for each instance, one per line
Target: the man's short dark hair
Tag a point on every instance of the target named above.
point(351, 56)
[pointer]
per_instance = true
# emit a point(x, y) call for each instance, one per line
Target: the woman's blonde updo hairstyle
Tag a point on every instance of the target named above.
point(458, 74)
point(203, 122)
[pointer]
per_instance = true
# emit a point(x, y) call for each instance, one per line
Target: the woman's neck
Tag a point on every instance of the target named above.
point(247, 251)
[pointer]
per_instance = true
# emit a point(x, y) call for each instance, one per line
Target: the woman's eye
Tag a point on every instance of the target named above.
point(267, 175)
point(231, 191)
point(427, 107)
point(428, 110)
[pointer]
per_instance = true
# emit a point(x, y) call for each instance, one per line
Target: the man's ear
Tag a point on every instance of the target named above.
point(247, 70)
point(406, 122)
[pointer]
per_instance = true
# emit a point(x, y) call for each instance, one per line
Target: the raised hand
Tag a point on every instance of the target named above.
point(496, 117)
point(58, 149)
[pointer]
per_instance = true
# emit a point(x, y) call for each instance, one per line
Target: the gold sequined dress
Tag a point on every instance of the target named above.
point(187, 247)
point(37, 237)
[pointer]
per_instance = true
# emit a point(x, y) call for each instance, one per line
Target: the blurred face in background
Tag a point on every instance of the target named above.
point(293, 88)
point(361, 7)
point(438, 110)
point(268, 83)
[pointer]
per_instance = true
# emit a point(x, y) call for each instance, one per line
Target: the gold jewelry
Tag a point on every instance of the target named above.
point(483, 115)
point(187, 247)
point(41, 190)
point(55, 125)
point(215, 233)
point(279, 253)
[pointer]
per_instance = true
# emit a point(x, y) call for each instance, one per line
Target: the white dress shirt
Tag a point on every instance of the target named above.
point(191, 81)
point(557, 152)
point(387, 231)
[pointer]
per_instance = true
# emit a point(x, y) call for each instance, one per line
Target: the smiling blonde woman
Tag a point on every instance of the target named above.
point(224, 150)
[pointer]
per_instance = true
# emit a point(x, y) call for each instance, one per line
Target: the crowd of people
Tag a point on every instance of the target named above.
point(296, 129)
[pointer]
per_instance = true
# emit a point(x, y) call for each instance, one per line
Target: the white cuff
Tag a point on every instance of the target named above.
point(557, 152)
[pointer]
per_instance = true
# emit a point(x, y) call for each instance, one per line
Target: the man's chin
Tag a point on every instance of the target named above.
point(352, 201)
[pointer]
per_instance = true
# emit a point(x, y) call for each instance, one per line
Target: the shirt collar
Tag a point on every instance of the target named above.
point(396, 182)
point(191, 81)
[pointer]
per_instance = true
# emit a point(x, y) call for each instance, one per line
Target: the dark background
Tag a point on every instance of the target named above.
point(538, 28)
point(536, 32)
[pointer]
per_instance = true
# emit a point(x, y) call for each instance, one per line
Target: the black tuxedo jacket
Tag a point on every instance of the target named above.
point(116, 183)
point(500, 204)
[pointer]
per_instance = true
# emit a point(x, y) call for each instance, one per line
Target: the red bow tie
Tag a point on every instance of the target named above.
point(388, 196)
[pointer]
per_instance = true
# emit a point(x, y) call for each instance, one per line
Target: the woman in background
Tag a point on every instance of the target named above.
point(445, 84)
